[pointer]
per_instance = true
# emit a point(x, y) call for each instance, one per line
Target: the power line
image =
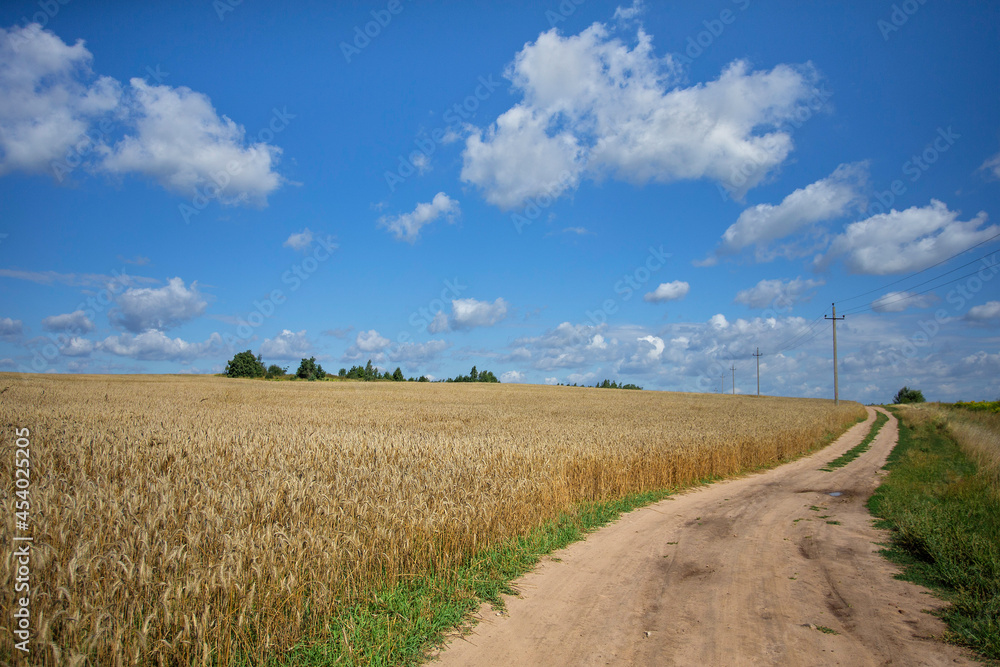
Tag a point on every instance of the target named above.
point(916, 294)
point(917, 273)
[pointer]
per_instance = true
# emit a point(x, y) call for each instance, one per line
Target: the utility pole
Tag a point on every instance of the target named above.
point(836, 385)
point(733, 369)
point(758, 355)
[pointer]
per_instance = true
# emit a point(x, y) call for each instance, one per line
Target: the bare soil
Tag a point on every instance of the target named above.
point(766, 569)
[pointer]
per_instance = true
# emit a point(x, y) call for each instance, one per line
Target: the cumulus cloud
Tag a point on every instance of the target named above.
point(897, 302)
point(299, 240)
point(371, 341)
point(439, 324)
point(286, 345)
point(55, 115)
point(77, 347)
point(76, 322)
point(160, 308)
point(832, 197)
point(671, 291)
point(594, 107)
point(469, 313)
point(513, 377)
point(777, 293)
point(989, 311)
point(906, 241)
point(406, 227)
point(48, 98)
point(157, 346)
point(10, 328)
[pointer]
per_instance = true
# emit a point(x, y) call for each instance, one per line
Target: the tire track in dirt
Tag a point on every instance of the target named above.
point(765, 569)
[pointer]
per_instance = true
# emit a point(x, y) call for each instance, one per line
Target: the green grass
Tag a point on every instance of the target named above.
point(945, 523)
point(400, 623)
point(826, 630)
point(857, 450)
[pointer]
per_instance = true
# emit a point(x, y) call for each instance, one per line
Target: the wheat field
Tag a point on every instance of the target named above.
point(204, 520)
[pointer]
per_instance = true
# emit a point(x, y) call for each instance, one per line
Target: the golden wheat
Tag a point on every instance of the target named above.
point(191, 520)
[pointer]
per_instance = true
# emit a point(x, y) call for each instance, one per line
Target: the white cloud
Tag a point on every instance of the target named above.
point(992, 166)
point(551, 380)
point(286, 345)
point(299, 240)
point(655, 348)
point(897, 302)
point(48, 98)
point(671, 291)
point(77, 322)
point(160, 308)
point(512, 376)
point(54, 115)
point(371, 341)
point(826, 199)
point(628, 13)
point(183, 144)
point(984, 313)
point(469, 313)
point(906, 241)
point(157, 346)
point(439, 324)
point(593, 107)
point(407, 227)
point(777, 293)
point(10, 328)
point(77, 347)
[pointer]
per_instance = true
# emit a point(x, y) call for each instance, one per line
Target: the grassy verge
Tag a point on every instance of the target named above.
point(945, 522)
point(859, 449)
point(404, 621)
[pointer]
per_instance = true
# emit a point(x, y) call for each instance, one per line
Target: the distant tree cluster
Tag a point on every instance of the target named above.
point(245, 365)
point(370, 373)
point(614, 385)
point(475, 376)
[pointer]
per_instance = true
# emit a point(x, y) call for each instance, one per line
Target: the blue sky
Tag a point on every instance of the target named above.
point(556, 191)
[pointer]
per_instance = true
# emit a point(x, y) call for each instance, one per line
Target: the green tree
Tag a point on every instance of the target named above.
point(473, 375)
point(370, 372)
point(310, 370)
point(275, 371)
point(907, 395)
point(397, 375)
point(342, 373)
point(245, 365)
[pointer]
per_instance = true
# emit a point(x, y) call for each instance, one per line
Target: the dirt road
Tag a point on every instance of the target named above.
point(768, 569)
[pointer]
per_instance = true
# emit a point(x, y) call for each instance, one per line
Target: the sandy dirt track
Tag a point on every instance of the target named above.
point(744, 572)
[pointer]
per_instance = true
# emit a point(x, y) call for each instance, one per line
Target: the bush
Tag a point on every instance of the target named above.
point(245, 365)
point(275, 371)
point(907, 395)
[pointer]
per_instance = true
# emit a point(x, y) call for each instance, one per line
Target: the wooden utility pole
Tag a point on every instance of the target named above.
point(836, 384)
point(758, 355)
point(733, 369)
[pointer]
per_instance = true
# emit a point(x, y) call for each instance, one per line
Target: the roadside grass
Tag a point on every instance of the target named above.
point(404, 623)
point(859, 449)
point(944, 515)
